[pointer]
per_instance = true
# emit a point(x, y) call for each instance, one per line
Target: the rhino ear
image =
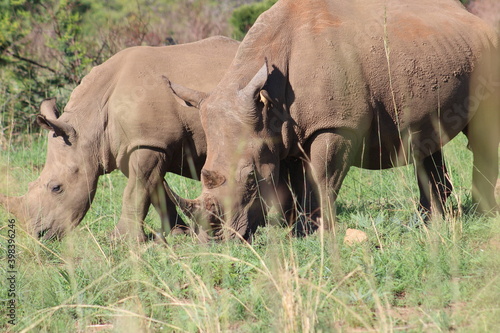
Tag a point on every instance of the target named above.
point(48, 108)
point(185, 96)
point(47, 119)
point(60, 128)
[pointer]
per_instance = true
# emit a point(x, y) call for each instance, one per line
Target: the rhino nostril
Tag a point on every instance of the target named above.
point(42, 233)
point(212, 179)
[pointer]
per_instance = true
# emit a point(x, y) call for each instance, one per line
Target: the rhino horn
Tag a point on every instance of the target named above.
point(13, 205)
point(188, 206)
point(256, 84)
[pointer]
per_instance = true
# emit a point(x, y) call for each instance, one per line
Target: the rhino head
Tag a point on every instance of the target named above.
point(57, 201)
point(245, 142)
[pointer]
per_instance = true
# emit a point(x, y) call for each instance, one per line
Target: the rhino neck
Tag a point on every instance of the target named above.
point(94, 141)
point(263, 43)
point(103, 154)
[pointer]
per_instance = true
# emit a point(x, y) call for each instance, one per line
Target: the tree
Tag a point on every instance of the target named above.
point(42, 51)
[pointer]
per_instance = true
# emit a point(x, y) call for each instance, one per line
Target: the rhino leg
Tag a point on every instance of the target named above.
point(483, 132)
point(433, 183)
point(331, 155)
point(297, 198)
point(168, 213)
point(145, 171)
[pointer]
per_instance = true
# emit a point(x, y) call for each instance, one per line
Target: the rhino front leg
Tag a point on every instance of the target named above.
point(433, 183)
point(168, 213)
point(145, 170)
point(331, 159)
point(297, 197)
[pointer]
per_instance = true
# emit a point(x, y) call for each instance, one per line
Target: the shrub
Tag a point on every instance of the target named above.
point(245, 16)
point(46, 47)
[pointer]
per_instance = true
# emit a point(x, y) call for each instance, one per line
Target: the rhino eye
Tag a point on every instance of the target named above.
point(56, 189)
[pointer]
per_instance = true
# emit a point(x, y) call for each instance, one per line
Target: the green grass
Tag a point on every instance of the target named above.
point(441, 278)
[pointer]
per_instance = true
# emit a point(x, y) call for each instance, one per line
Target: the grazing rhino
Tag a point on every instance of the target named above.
point(367, 83)
point(119, 117)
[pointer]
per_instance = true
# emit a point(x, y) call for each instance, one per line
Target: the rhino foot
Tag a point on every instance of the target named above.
point(157, 237)
point(117, 235)
point(180, 229)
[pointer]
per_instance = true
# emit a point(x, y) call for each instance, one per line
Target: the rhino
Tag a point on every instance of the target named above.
point(119, 117)
point(337, 84)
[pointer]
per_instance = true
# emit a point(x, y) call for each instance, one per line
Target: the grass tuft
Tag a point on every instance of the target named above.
point(404, 277)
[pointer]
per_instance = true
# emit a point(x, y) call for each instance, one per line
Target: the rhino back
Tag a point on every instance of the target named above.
point(394, 57)
point(126, 98)
point(349, 61)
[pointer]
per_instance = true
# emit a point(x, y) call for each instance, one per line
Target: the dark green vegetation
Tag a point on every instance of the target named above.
point(244, 17)
point(404, 278)
point(46, 47)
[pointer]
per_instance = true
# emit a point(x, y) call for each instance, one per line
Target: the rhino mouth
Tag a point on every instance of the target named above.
point(46, 230)
point(240, 226)
point(214, 223)
point(40, 229)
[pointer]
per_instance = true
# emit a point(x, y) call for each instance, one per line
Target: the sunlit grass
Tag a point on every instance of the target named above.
point(437, 278)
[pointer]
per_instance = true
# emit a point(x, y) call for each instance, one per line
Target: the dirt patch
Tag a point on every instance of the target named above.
point(354, 236)
point(494, 243)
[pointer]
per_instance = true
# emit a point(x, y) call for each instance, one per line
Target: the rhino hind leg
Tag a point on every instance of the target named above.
point(483, 133)
point(433, 183)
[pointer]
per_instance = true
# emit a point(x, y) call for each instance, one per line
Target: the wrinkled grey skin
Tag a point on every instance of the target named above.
point(122, 117)
point(366, 83)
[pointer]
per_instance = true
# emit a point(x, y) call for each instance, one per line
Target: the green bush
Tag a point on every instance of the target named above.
point(36, 66)
point(245, 16)
point(46, 47)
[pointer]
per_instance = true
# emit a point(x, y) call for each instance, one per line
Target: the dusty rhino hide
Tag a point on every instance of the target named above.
point(336, 84)
point(120, 117)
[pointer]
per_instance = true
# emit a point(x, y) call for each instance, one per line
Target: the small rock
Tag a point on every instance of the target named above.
point(354, 236)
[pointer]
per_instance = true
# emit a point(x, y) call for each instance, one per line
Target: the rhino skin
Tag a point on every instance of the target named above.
point(335, 84)
point(120, 117)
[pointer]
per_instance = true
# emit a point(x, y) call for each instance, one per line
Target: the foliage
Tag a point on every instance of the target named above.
point(46, 56)
point(46, 47)
point(245, 16)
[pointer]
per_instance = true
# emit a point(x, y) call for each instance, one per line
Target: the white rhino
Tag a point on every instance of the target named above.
point(341, 83)
point(120, 117)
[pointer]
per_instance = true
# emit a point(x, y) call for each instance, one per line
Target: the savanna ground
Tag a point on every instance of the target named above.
point(445, 277)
